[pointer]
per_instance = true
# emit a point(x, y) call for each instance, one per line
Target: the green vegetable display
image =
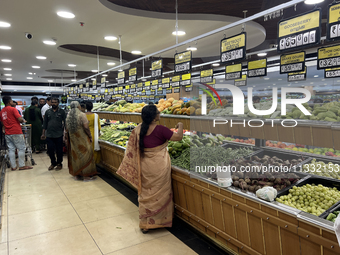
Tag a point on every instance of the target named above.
point(115, 133)
point(332, 216)
point(311, 198)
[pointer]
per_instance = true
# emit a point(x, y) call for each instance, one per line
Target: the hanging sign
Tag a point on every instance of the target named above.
point(233, 72)
point(152, 92)
point(298, 76)
point(87, 85)
point(160, 91)
point(80, 89)
point(143, 93)
point(300, 31)
point(103, 82)
point(233, 48)
point(169, 90)
point(257, 68)
point(177, 90)
point(136, 98)
point(292, 62)
point(121, 77)
point(115, 91)
point(183, 61)
point(127, 89)
point(139, 87)
point(241, 82)
point(120, 89)
point(106, 92)
point(166, 83)
point(157, 68)
point(147, 85)
point(128, 98)
point(206, 76)
point(185, 79)
point(132, 88)
point(332, 72)
point(328, 57)
point(89, 97)
point(188, 88)
point(111, 91)
point(118, 97)
point(154, 84)
point(94, 85)
point(133, 74)
point(333, 23)
point(175, 81)
point(151, 97)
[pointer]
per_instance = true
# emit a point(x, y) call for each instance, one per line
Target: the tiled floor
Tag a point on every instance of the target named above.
point(47, 212)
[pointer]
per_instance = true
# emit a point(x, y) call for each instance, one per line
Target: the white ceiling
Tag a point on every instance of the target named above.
point(138, 33)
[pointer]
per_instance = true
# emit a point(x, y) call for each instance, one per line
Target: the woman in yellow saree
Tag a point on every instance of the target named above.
point(147, 166)
point(79, 144)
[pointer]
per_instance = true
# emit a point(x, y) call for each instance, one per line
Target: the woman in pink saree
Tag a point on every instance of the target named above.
point(147, 166)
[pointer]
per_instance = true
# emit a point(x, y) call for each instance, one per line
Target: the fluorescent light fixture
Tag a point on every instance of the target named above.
point(4, 24)
point(120, 70)
point(5, 47)
point(288, 85)
point(50, 80)
point(36, 67)
point(30, 73)
point(313, 1)
point(72, 65)
point(266, 78)
point(9, 79)
point(111, 63)
point(107, 81)
point(280, 79)
point(192, 48)
point(136, 52)
point(263, 54)
point(93, 79)
point(41, 57)
point(216, 64)
point(7, 69)
point(6, 60)
point(67, 15)
point(29, 78)
point(49, 42)
point(8, 74)
point(316, 76)
point(179, 33)
point(104, 75)
point(73, 80)
point(110, 38)
point(312, 83)
point(94, 71)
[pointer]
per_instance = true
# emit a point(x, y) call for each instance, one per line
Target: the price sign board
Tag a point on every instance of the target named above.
point(233, 48)
point(177, 90)
point(332, 72)
point(166, 82)
point(241, 82)
point(127, 89)
point(188, 88)
point(292, 62)
point(133, 88)
point(139, 87)
point(183, 61)
point(169, 90)
point(185, 79)
point(121, 77)
point(329, 57)
point(333, 22)
point(133, 74)
point(257, 68)
point(298, 76)
point(157, 68)
point(233, 72)
point(154, 84)
point(147, 85)
point(206, 76)
point(299, 31)
point(175, 81)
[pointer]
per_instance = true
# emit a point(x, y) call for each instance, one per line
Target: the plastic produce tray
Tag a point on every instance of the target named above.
point(238, 146)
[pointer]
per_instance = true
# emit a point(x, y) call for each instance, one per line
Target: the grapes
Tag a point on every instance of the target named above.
point(314, 199)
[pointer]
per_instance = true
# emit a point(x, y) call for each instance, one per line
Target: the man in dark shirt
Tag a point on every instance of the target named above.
point(53, 130)
point(42, 102)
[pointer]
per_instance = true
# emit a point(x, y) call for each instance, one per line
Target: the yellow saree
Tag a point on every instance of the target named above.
point(151, 175)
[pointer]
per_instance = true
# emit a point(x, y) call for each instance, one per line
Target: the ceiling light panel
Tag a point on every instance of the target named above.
point(49, 42)
point(41, 57)
point(5, 47)
point(66, 15)
point(4, 24)
point(110, 38)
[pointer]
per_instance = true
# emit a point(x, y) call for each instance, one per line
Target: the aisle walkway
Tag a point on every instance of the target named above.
point(47, 212)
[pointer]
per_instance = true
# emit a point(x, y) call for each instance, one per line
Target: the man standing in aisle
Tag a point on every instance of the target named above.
point(53, 130)
point(41, 103)
point(46, 106)
point(11, 120)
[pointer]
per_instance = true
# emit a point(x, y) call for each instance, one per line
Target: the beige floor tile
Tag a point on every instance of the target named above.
point(28, 178)
point(4, 203)
point(3, 229)
point(82, 191)
point(101, 208)
point(33, 188)
point(121, 232)
point(36, 201)
point(38, 222)
point(3, 249)
point(167, 245)
point(73, 241)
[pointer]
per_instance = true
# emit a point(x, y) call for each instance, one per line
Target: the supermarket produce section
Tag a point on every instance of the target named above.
point(299, 221)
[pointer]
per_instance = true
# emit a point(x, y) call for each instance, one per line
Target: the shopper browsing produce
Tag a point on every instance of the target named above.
point(11, 120)
point(53, 130)
point(80, 153)
point(94, 125)
point(147, 166)
point(46, 106)
point(42, 102)
point(32, 115)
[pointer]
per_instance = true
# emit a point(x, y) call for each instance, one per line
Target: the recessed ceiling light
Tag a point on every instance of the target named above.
point(7, 69)
point(274, 83)
point(216, 64)
point(15, 90)
point(179, 33)
point(120, 70)
point(263, 54)
point(313, 1)
point(72, 65)
point(73, 80)
point(266, 78)
point(107, 81)
point(312, 83)
point(104, 75)
point(50, 80)
point(29, 78)
point(4, 24)
point(8, 74)
point(6, 60)
point(192, 48)
point(110, 38)
point(41, 57)
point(49, 42)
point(4, 47)
point(288, 85)
point(36, 67)
point(8, 79)
point(316, 76)
point(94, 71)
point(253, 86)
point(30, 73)
point(136, 52)
point(111, 63)
point(280, 79)
point(67, 15)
